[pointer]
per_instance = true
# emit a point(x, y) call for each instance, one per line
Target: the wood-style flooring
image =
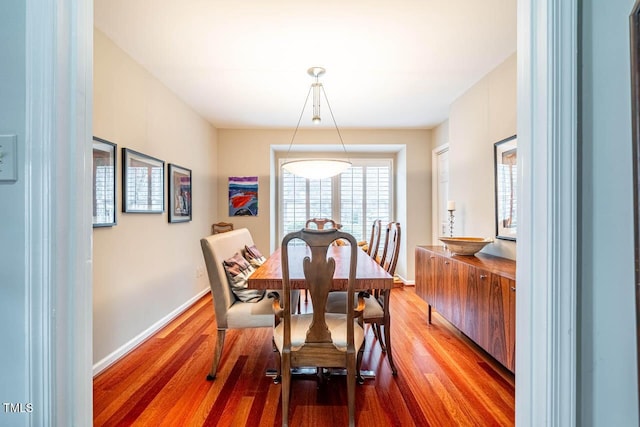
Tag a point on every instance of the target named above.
point(443, 379)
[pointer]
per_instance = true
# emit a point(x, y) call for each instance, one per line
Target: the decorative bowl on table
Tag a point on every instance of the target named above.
point(465, 245)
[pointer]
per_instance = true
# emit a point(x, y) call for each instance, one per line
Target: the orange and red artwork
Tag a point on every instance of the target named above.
point(243, 196)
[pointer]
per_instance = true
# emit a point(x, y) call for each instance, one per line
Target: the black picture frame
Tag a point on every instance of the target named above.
point(104, 183)
point(179, 187)
point(506, 184)
point(142, 183)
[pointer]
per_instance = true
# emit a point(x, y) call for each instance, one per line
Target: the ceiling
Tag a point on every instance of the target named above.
point(243, 63)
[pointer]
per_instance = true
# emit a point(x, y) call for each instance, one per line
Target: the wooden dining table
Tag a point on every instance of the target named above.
point(369, 274)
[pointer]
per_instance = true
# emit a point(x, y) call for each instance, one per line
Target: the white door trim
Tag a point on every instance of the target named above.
point(546, 365)
point(59, 88)
point(435, 224)
point(58, 259)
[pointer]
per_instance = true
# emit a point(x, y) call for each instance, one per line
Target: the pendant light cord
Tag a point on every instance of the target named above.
point(300, 119)
point(330, 112)
point(334, 120)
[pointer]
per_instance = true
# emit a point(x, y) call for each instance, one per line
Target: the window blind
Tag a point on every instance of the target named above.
point(355, 198)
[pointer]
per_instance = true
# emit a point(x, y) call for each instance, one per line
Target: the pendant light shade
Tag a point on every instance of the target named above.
point(316, 168)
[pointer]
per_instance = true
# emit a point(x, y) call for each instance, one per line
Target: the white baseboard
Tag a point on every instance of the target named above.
point(136, 341)
point(406, 282)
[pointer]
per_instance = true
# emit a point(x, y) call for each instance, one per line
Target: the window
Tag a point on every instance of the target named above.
point(355, 198)
point(302, 199)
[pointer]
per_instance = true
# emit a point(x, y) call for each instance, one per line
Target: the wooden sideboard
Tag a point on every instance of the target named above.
point(475, 293)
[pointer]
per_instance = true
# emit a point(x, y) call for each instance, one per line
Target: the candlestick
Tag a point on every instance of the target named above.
point(451, 220)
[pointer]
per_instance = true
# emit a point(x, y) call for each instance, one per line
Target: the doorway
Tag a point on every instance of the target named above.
point(440, 191)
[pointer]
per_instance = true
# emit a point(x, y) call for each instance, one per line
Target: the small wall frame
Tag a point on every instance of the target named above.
point(142, 183)
point(104, 183)
point(179, 187)
point(506, 184)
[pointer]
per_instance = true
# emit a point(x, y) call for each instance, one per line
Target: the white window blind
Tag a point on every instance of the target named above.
point(365, 196)
point(302, 199)
point(355, 198)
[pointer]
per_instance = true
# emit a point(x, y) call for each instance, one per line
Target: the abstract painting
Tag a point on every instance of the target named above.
point(243, 196)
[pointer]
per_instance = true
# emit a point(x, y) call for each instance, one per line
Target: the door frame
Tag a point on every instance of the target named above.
point(59, 117)
point(58, 227)
point(546, 299)
point(435, 170)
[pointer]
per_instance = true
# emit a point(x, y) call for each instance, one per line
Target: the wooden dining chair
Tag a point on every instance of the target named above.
point(391, 248)
point(221, 227)
point(376, 310)
point(379, 316)
point(318, 339)
point(320, 223)
point(374, 241)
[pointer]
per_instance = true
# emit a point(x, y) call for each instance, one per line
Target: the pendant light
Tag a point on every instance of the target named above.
point(316, 168)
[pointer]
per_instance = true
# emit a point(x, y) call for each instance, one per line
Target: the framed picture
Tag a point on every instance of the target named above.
point(506, 176)
point(179, 193)
point(142, 183)
point(104, 183)
point(243, 196)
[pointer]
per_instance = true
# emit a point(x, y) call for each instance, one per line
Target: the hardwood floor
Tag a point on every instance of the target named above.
point(443, 379)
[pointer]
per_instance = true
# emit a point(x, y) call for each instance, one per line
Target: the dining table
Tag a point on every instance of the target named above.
point(369, 275)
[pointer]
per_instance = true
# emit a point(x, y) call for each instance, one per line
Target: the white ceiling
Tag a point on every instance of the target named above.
point(243, 63)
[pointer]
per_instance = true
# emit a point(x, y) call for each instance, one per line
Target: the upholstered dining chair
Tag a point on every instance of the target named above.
point(318, 339)
point(232, 313)
point(221, 227)
point(376, 310)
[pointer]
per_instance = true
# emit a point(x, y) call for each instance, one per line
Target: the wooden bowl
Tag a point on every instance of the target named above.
point(465, 245)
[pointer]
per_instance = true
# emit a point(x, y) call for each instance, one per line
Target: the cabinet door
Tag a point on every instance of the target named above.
point(458, 292)
point(511, 334)
point(499, 317)
point(425, 275)
point(443, 292)
point(432, 275)
point(475, 319)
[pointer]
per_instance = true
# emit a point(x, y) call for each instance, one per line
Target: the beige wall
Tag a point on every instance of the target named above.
point(485, 114)
point(440, 134)
point(249, 153)
point(144, 267)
